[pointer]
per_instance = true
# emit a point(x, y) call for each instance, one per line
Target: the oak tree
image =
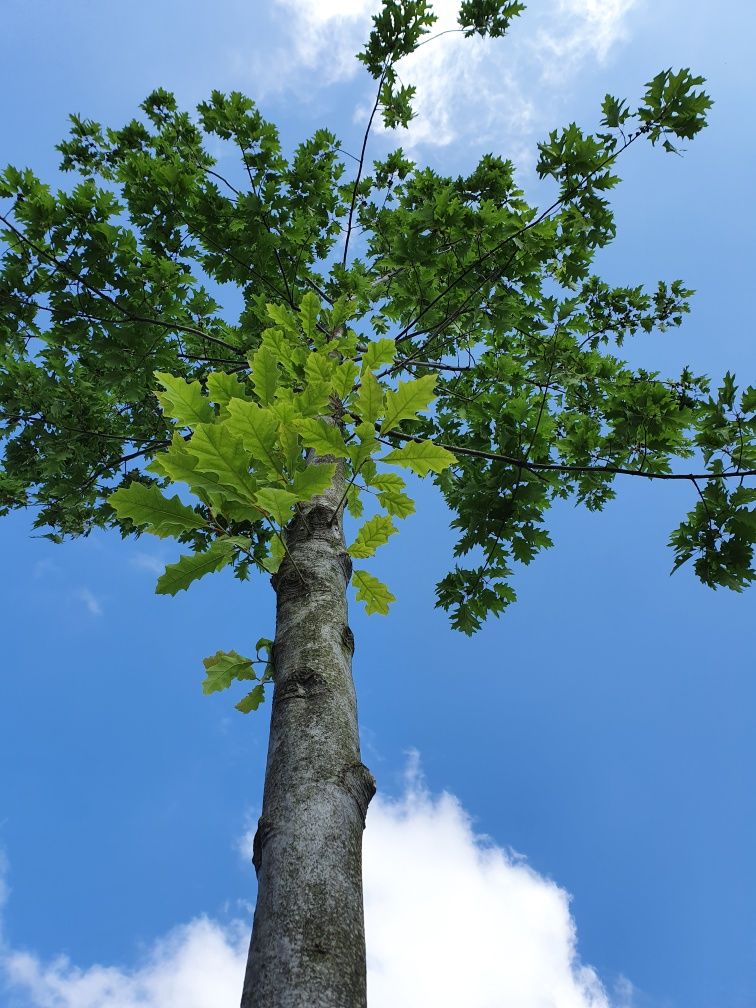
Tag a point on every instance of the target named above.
point(394, 321)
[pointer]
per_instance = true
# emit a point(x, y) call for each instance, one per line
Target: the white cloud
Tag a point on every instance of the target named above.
point(148, 562)
point(582, 29)
point(325, 35)
point(454, 920)
point(197, 965)
point(451, 918)
point(90, 600)
point(500, 94)
point(44, 568)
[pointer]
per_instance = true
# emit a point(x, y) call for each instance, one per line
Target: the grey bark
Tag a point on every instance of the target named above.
point(308, 938)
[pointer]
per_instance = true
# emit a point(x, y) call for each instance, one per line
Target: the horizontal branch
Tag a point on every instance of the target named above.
point(537, 467)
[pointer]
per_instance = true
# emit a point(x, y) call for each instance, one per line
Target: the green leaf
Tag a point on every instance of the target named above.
point(379, 352)
point(283, 317)
point(313, 480)
point(323, 438)
point(183, 401)
point(309, 309)
point(369, 399)
point(391, 495)
point(344, 379)
point(264, 375)
point(372, 592)
point(192, 566)
point(252, 700)
point(313, 400)
point(263, 644)
point(217, 450)
point(421, 457)
point(276, 502)
point(374, 533)
point(279, 344)
point(319, 368)
point(222, 387)
point(364, 448)
point(354, 501)
point(146, 505)
point(180, 466)
point(407, 401)
point(223, 668)
point(276, 553)
point(257, 428)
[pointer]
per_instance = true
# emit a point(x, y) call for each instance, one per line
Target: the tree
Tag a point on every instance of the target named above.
point(462, 295)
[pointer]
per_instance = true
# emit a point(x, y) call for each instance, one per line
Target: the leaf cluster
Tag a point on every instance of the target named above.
point(462, 294)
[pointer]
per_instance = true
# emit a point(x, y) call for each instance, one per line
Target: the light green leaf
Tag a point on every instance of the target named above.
point(354, 501)
point(372, 592)
point(291, 446)
point(421, 457)
point(313, 400)
point(221, 387)
point(407, 401)
point(280, 346)
point(374, 533)
point(309, 309)
point(344, 379)
point(369, 399)
point(276, 502)
point(324, 438)
point(252, 700)
point(223, 668)
point(183, 401)
point(379, 352)
point(146, 505)
point(313, 480)
point(276, 553)
point(177, 464)
point(258, 428)
point(283, 317)
point(319, 368)
point(364, 448)
point(192, 566)
point(219, 451)
point(391, 495)
point(264, 374)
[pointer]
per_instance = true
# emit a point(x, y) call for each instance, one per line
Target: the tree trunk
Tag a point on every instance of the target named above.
point(308, 936)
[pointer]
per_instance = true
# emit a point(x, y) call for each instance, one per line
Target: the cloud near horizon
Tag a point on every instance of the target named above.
point(451, 918)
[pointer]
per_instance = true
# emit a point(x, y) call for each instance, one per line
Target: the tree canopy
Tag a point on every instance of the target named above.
point(446, 325)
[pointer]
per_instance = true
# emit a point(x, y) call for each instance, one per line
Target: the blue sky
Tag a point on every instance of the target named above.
point(603, 729)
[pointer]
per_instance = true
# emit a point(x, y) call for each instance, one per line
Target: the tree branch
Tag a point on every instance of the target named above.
point(536, 467)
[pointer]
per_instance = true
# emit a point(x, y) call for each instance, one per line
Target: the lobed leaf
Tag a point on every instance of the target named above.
point(374, 533)
point(372, 592)
point(146, 505)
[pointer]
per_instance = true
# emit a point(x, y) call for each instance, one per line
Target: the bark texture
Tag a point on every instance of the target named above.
point(308, 937)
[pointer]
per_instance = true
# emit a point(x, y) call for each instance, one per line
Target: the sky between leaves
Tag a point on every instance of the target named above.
point(603, 728)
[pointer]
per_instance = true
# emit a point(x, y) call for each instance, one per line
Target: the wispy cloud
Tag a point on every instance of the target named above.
point(324, 35)
point(579, 31)
point(452, 919)
point(148, 562)
point(90, 601)
point(491, 93)
point(45, 568)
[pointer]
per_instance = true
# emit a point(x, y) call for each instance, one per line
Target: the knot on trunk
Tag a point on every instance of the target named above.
point(263, 831)
point(315, 523)
point(304, 683)
point(345, 562)
point(347, 640)
point(359, 783)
